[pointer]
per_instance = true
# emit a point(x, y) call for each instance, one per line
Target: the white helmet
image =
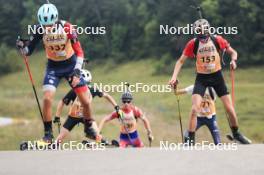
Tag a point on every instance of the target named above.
point(47, 14)
point(201, 27)
point(87, 76)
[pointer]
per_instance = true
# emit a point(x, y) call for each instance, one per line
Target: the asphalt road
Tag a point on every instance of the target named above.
point(248, 160)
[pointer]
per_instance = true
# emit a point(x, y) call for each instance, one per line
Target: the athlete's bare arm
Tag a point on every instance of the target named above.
point(233, 53)
point(177, 69)
point(187, 90)
point(146, 123)
point(103, 121)
point(59, 108)
point(110, 99)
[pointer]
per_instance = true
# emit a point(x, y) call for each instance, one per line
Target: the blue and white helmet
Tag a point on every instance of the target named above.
point(47, 14)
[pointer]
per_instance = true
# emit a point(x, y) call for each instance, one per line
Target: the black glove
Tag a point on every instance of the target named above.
point(86, 60)
point(150, 136)
point(21, 44)
point(56, 120)
point(117, 108)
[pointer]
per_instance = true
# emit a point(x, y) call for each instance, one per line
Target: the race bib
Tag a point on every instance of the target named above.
point(210, 67)
point(61, 53)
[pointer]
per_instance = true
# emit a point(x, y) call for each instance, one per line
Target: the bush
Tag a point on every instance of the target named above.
point(10, 61)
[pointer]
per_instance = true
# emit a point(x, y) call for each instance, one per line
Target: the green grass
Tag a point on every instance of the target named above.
point(17, 101)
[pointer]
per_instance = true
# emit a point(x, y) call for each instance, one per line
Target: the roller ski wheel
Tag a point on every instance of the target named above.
point(23, 146)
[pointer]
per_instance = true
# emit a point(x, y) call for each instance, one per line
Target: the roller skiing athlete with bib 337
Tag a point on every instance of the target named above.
point(65, 58)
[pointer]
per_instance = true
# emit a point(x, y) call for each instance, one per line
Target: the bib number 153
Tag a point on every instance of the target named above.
point(208, 59)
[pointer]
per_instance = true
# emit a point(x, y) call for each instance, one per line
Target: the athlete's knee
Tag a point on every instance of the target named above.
point(230, 109)
point(48, 97)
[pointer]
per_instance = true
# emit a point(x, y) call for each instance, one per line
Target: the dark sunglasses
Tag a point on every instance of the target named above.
point(126, 102)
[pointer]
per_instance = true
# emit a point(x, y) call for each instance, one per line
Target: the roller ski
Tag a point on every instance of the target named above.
point(46, 143)
point(104, 142)
point(91, 132)
point(32, 145)
point(113, 143)
point(37, 145)
point(238, 138)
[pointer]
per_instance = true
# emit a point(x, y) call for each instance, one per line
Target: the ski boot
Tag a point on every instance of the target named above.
point(91, 130)
point(189, 138)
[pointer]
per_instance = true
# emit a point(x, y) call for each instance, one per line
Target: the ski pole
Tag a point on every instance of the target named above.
point(233, 100)
point(232, 77)
point(179, 110)
point(59, 125)
point(199, 10)
point(32, 83)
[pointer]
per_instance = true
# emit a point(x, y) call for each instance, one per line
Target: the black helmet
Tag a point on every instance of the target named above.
point(127, 96)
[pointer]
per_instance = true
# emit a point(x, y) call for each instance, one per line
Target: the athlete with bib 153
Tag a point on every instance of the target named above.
point(205, 49)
